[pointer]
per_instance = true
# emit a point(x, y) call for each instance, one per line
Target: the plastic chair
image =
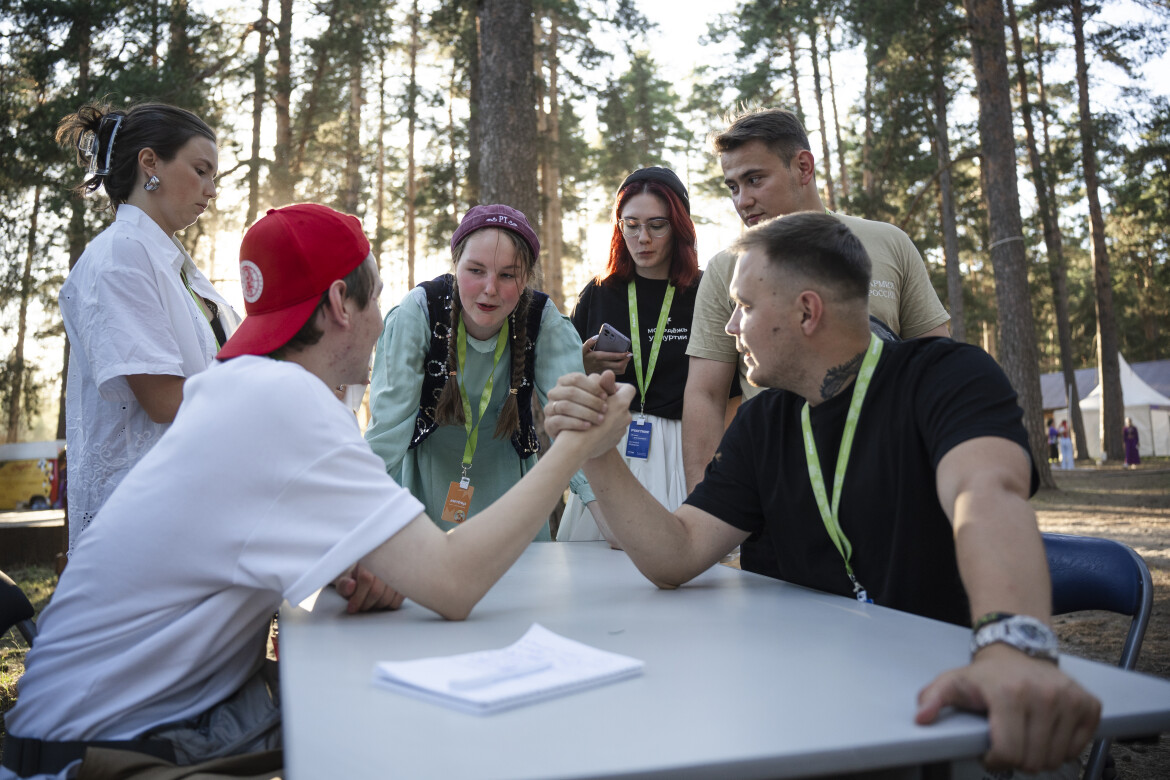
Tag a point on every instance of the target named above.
point(15, 610)
point(1091, 573)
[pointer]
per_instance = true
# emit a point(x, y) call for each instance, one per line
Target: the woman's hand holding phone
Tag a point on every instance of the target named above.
point(608, 350)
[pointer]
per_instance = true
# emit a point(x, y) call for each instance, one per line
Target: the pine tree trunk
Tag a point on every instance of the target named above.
point(154, 34)
point(474, 103)
point(16, 397)
point(553, 223)
point(380, 198)
point(307, 118)
point(842, 169)
point(1017, 335)
point(946, 203)
point(411, 123)
point(1108, 349)
point(508, 107)
point(259, 96)
point(76, 234)
point(1053, 240)
point(453, 145)
point(826, 157)
point(282, 181)
point(790, 41)
point(868, 184)
point(351, 195)
point(178, 50)
point(1080, 438)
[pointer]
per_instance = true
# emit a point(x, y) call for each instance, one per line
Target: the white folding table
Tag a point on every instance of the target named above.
point(745, 677)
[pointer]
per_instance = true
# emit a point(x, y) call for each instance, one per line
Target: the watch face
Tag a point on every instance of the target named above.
point(1030, 632)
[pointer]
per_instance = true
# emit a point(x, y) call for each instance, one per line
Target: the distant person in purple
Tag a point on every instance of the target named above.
point(1066, 447)
point(1053, 446)
point(1129, 434)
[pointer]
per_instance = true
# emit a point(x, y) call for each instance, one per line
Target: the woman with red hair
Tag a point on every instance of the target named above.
point(647, 292)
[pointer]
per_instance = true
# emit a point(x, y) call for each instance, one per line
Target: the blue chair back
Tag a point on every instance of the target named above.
point(1091, 573)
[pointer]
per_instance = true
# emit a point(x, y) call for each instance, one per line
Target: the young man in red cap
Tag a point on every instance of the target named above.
point(263, 490)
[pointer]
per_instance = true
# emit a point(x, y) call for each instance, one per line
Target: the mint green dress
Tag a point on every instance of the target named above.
point(396, 387)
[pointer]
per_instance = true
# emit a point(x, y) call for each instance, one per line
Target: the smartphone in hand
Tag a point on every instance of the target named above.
point(610, 339)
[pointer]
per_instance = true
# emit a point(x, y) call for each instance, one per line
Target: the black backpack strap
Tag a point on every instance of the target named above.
point(524, 440)
point(438, 292)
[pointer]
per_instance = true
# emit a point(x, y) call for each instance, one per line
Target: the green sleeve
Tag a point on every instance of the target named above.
point(558, 351)
point(396, 381)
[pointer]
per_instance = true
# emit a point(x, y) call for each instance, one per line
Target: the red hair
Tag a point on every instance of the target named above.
point(684, 259)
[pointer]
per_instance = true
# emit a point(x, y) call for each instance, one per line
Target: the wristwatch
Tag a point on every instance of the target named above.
point(1026, 634)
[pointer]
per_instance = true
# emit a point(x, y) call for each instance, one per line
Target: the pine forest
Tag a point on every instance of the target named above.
point(1023, 146)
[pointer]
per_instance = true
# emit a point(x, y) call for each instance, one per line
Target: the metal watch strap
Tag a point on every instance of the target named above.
point(1024, 633)
point(990, 617)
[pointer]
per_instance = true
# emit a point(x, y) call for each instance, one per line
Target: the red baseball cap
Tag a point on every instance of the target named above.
point(287, 260)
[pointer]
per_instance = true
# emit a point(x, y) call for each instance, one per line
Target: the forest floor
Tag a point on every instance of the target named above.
point(1130, 506)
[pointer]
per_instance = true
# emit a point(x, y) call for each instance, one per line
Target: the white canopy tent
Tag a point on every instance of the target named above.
point(1149, 410)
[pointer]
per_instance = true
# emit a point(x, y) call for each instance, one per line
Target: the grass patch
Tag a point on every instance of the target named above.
point(38, 583)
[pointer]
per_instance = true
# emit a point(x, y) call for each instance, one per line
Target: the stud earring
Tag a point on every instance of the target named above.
point(151, 184)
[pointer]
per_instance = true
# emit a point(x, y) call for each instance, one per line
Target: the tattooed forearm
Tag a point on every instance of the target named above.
point(838, 377)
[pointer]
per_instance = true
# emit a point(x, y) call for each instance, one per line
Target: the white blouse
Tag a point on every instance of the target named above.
point(126, 312)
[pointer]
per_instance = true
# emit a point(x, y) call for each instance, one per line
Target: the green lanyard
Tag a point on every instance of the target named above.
point(485, 397)
point(199, 302)
point(636, 339)
point(830, 516)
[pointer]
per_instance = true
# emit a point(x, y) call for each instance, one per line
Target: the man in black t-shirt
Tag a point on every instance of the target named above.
point(932, 516)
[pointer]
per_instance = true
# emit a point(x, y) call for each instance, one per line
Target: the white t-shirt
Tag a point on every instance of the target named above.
point(126, 312)
point(262, 490)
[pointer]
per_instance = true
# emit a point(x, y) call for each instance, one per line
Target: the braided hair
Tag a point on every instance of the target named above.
point(449, 408)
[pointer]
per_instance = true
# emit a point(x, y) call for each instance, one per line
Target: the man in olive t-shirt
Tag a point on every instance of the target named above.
point(770, 171)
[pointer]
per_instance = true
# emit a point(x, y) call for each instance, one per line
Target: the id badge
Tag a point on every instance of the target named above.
point(458, 501)
point(638, 439)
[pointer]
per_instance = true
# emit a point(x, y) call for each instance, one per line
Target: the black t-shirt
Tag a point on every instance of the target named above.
point(601, 303)
point(926, 397)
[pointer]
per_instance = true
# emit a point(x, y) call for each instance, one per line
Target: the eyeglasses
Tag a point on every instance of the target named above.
point(657, 228)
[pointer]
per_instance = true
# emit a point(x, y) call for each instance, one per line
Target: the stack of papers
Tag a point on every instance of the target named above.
point(540, 665)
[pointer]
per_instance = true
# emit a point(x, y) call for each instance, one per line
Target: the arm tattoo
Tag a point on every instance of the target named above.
point(837, 378)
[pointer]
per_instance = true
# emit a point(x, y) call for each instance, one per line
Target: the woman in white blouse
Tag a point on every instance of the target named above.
point(139, 315)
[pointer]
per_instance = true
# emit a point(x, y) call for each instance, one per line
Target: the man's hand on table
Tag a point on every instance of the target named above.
point(366, 592)
point(1039, 717)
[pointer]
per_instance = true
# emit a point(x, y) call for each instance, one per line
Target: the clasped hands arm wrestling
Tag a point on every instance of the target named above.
point(462, 564)
point(1038, 716)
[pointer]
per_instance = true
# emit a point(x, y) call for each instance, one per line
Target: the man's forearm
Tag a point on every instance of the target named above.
point(704, 410)
point(659, 542)
point(1001, 555)
point(450, 572)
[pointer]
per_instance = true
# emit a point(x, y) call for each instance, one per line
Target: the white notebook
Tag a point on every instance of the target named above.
point(539, 665)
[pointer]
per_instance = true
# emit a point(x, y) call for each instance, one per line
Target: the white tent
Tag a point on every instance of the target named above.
point(1149, 410)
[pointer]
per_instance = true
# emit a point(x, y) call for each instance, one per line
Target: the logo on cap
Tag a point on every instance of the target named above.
point(251, 280)
point(503, 220)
